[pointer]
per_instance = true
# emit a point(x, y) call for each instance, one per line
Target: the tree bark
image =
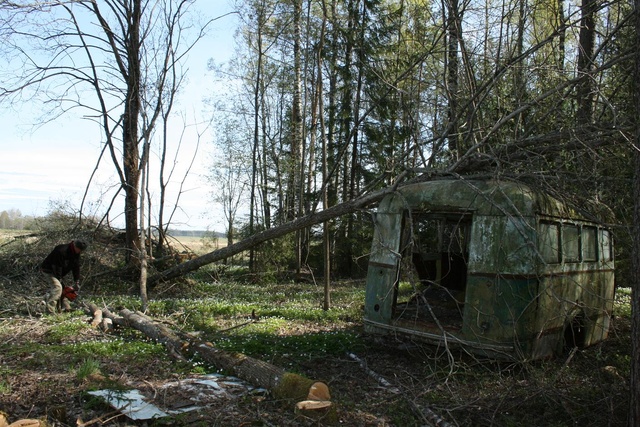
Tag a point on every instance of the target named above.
point(585, 62)
point(142, 252)
point(297, 141)
point(282, 384)
point(132, 107)
point(256, 128)
point(326, 226)
point(634, 410)
point(156, 331)
point(453, 21)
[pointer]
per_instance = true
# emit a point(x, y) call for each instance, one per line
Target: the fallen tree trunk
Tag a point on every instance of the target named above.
point(106, 314)
point(282, 384)
point(156, 331)
point(273, 233)
point(518, 152)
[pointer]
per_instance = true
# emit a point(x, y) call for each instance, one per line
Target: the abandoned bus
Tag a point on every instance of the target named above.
point(492, 266)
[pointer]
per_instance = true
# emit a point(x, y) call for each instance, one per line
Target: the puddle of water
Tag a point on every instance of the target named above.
point(197, 390)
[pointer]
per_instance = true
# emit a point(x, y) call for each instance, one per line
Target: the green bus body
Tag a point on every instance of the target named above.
point(492, 266)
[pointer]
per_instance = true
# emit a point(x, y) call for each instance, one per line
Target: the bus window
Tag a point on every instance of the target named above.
point(606, 246)
point(589, 244)
point(549, 244)
point(571, 243)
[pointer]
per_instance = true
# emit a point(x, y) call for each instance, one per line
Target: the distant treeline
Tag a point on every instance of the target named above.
point(13, 220)
point(194, 233)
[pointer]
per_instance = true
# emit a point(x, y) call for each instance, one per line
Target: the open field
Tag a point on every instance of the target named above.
point(198, 245)
point(9, 235)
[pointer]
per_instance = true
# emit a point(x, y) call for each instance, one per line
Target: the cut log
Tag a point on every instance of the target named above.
point(282, 384)
point(106, 314)
point(97, 318)
point(106, 325)
point(312, 405)
point(156, 331)
point(319, 391)
point(318, 405)
point(322, 413)
point(117, 320)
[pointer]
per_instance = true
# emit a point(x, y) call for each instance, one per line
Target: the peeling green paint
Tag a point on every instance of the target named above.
point(479, 270)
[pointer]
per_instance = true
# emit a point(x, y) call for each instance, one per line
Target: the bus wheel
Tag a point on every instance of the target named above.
point(575, 333)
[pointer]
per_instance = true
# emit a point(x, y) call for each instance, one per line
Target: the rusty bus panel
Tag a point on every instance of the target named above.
point(492, 266)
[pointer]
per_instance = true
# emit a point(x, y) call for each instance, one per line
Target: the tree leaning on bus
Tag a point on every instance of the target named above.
point(63, 259)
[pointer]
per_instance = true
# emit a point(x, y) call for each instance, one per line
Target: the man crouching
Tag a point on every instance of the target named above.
point(63, 259)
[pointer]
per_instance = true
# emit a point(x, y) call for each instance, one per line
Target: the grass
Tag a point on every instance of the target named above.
point(8, 235)
point(282, 322)
point(285, 324)
point(622, 303)
point(260, 320)
point(88, 368)
point(63, 327)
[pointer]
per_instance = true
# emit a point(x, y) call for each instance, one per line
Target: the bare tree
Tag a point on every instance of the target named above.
point(297, 142)
point(168, 171)
point(453, 18)
point(229, 175)
point(115, 60)
point(258, 104)
point(326, 225)
point(634, 410)
point(586, 48)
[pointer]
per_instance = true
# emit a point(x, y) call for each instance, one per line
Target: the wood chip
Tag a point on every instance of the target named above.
point(26, 423)
point(310, 405)
point(319, 391)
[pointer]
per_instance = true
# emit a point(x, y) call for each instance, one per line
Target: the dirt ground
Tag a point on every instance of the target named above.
point(55, 393)
point(391, 385)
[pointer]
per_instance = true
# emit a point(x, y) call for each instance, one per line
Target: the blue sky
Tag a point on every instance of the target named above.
point(52, 164)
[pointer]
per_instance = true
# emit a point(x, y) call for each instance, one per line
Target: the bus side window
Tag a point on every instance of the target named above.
point(549, 242)
point(571, 243)
point(606, 246)
point(589, 243)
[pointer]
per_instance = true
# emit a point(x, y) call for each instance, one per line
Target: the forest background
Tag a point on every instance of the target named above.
point(330, 103)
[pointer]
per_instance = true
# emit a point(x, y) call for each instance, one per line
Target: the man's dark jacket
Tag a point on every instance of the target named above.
point(61, 261)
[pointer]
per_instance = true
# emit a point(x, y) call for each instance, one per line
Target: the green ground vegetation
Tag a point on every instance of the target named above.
point(48, 361)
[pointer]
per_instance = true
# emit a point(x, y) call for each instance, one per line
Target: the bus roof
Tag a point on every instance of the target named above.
point(483, 197)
